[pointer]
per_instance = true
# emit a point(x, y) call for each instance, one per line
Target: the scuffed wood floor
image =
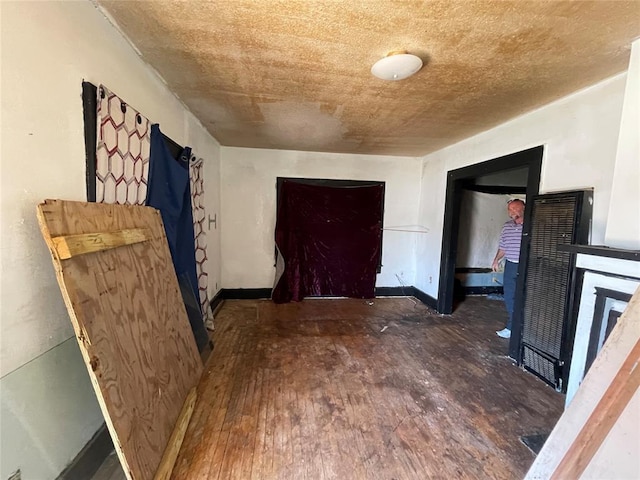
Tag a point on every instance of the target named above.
point(317, 390)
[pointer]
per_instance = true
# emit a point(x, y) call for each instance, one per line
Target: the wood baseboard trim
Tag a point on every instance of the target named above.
point(394, 291)
point(216, 302)
point(90, 458)
point(481, 290)
point(428, 300)
point(245, 293)
point(265, 293)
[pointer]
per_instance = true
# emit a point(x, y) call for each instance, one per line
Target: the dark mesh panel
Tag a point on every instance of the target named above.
point(542, 366)
point(547, 281)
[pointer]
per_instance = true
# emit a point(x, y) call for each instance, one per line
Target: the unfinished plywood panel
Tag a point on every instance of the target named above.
point(130, 322)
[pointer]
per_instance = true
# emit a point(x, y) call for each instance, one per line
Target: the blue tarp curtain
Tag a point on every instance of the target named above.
point(169, 191)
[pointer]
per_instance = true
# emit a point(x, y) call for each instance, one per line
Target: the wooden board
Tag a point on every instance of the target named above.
point(596, 435)
point(71, 245)
point(177, 437)
point(130, 323)
point(608, 410)
point(602, 419)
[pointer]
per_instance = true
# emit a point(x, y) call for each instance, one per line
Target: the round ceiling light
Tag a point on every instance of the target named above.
point(396, 66)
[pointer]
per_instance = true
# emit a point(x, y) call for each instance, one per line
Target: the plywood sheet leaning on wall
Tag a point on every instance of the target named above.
point(122, 294)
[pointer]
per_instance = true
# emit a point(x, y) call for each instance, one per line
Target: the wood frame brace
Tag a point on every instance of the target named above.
point(72, 245)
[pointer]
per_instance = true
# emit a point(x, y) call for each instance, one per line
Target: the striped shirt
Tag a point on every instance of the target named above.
point(510, 239)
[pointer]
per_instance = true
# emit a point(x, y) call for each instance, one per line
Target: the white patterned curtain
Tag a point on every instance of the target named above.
point(122, 151)
point(196, 177)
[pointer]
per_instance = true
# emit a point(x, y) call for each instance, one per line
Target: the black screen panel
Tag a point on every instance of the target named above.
point(550, 282)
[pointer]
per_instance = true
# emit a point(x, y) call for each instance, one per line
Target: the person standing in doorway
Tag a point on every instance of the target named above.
point(509, 249)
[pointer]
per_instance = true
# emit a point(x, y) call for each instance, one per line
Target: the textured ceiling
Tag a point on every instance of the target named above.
point(296, 75)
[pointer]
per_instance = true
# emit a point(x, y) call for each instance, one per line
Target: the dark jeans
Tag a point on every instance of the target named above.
point(509, 285)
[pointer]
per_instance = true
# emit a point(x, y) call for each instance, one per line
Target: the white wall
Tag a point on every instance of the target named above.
point(48, 48)
point(617, 457)
point(48, 411)
point(481, 218)
point(623, 227)
point(248, 179)
point(579, 134)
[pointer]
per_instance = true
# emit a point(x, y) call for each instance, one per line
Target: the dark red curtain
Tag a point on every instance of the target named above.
point(329, 239)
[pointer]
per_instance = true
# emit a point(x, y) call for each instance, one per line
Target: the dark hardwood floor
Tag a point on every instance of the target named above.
point(346, 389)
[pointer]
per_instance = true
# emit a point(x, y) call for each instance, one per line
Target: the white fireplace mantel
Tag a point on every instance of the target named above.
point(618, 274)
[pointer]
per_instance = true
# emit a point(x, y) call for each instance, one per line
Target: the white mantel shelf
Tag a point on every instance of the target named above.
point(603, 267)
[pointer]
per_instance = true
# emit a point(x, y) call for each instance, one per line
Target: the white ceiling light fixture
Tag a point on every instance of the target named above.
point(396, 66)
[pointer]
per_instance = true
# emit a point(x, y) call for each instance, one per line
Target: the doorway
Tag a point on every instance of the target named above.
point(482, 215)
point(328, 238)
point(476, 176)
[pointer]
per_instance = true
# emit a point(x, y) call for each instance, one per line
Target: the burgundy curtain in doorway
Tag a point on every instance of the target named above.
point(328, 240)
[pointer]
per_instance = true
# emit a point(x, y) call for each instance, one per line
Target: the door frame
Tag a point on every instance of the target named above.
point(531, 158)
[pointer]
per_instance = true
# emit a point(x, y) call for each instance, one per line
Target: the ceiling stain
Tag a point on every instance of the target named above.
point(302, 126)
point(295, 74)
